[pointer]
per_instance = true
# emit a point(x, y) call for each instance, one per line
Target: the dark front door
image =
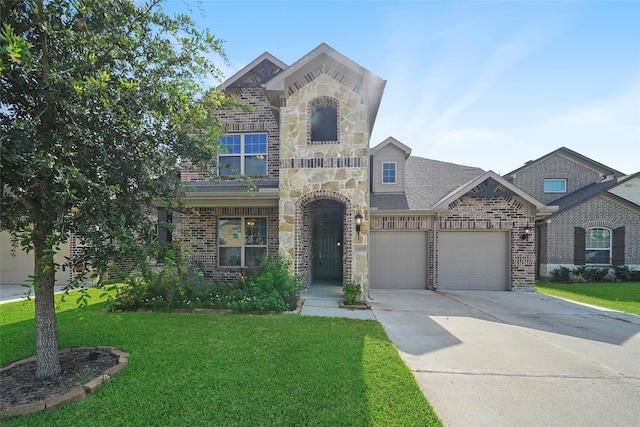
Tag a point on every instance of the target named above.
point(327, 250)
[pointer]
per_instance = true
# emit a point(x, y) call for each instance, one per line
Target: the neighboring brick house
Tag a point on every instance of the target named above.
point(305, 144)
point(597, 222)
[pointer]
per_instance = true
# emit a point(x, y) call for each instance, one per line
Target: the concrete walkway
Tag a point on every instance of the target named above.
point(323, 299)
point(516, 359)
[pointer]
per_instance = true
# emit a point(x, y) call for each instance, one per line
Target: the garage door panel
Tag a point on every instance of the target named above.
point(473, 260)
point(398, 259)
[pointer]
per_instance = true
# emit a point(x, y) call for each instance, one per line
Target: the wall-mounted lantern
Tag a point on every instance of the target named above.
point(527, 232)
point(358, 219)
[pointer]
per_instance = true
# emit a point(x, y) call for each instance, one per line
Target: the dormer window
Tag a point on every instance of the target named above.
point(388, 173)
point(243, 154)
point(555, 185)
point(323, 120)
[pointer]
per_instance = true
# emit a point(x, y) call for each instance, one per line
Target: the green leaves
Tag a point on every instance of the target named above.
point(13, 49)
point(99, 102)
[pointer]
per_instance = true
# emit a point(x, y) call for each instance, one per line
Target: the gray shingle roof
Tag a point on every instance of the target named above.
point(227, 186)
point(576, 156)
point(583, 193)
point(426, 183)
point(389, 201)
point(592, 190)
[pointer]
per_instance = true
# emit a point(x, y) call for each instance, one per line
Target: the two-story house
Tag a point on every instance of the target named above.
point(338, 210)
point(597, 221)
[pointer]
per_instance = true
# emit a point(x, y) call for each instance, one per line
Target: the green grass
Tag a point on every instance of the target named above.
point(200, 369)
point(622, 296)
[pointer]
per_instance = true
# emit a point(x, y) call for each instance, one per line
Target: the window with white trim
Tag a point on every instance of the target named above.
point(555, 185)
point(242, 241)
point(598, 246)
point(243, 154)
point(389, 173)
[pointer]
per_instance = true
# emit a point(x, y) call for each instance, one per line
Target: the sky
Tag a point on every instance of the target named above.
point(477, 83)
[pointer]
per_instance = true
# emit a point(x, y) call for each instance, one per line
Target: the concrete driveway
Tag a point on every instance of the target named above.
point(516, 359)
point(11, 293)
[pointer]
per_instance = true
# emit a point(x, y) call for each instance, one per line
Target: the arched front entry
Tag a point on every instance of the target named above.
point(323, 238)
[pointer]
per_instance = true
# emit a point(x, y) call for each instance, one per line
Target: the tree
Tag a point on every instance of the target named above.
point(99, 100)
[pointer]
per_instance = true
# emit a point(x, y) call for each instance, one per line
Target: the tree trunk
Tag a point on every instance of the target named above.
point(47, 361)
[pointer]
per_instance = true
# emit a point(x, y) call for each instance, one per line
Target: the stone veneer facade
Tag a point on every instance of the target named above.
point(333, 170)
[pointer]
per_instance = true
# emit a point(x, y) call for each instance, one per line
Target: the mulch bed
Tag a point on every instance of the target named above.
point(19, 384)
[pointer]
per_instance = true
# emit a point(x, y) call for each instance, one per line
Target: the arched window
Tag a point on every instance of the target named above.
point(598, 246)
point(323, 119)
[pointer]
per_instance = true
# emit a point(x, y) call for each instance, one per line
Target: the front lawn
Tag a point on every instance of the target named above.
point(227, 369)
point(621, 296)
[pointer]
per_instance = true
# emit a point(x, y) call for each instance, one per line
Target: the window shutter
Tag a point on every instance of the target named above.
point(579, 246)
point(618, 246)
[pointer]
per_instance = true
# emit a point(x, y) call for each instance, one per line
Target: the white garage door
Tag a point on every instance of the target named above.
point(473, 260)
point(398, 259)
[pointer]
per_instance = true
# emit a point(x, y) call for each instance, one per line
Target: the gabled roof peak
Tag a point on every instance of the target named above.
point(256, 73)
point(497, 180)
point(394, 142)
point(326, 60)
point(574, 155)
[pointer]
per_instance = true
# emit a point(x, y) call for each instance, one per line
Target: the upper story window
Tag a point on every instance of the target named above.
point(242, 241)
point(555, 185)
point(598, 246)
point(323, 119)
point(389, 173)
point(243, 154)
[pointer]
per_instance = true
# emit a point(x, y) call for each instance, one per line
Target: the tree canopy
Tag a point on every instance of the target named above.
point(99, 100)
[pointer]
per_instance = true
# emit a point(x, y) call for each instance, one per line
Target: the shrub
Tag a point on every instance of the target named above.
point(622, 273)
point(274, 285)
point(592, 274)
point(560, 275)
point(597, 274)
point(352, 292)
point(576, 278)
point(270, 289)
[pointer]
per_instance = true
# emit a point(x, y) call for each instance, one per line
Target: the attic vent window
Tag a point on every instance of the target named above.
point(323, 120)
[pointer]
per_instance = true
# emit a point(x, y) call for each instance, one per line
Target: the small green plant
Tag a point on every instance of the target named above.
point(591, 274)
point(83, 377)
point(576, 278)
point(622, 273)
point(352, 292)
point(560, 275)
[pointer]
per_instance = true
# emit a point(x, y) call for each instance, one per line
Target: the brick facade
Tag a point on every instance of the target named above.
point(531, 179)
point(198, 233)
point(497, 213)
point(260, 119)
point(600, 211)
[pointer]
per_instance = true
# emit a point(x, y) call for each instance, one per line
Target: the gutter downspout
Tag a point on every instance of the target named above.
point(434, 271)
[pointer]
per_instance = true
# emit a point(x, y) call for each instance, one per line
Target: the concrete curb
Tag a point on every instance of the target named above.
point(73, 395)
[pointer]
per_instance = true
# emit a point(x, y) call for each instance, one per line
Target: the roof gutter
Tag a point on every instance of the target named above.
point(380, 212)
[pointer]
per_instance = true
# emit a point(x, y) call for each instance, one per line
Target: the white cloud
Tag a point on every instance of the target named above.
point(617, 116)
